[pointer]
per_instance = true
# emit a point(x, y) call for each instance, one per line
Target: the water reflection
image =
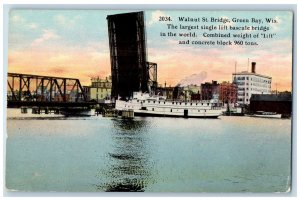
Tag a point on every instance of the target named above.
point(128, 168)
point(132, 125)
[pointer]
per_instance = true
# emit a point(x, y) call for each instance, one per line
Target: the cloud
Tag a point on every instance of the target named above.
point(32, 26)
point(67, 21)
point(62, 60)
point(177, 63)
point(46, 36)
point(155, 17)
point(20, 21)
point(59, 58)
point(58, 71)
point(17, 19)
point(276, 26)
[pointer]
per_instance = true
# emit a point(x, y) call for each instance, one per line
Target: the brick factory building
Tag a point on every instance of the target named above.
point(228, 92)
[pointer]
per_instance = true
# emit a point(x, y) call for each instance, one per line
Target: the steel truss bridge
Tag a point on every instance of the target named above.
point(38, 90)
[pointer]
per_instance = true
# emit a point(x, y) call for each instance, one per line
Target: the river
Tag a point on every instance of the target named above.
point(149, 154)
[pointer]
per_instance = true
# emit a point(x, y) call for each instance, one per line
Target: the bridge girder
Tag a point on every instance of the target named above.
point(38, 88)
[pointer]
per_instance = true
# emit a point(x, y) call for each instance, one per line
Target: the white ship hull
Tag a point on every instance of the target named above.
point(156, 107)
point(178, 114)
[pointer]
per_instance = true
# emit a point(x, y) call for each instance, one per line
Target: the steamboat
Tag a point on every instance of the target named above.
point(142, 104)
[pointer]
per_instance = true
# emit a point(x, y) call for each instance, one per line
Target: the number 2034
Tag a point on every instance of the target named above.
point(164, 18)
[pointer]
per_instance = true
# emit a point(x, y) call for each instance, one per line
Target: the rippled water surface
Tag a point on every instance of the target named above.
point(229, 154)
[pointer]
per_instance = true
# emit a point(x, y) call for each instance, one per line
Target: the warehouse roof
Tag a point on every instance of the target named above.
point(271, 97)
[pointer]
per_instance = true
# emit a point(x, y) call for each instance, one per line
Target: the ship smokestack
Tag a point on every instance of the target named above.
point(253, 64)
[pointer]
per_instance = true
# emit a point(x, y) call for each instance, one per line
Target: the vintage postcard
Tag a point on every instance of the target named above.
point(149, 101)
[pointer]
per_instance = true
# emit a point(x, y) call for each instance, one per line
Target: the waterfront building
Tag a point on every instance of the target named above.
point(152, 76)
point(280, 103)
point(228, 92)
point(191, 92)
point(210, 90)
point(99, 90)
point(249, 83)
point(178, 93)
point(165, 91)
point(196, 97)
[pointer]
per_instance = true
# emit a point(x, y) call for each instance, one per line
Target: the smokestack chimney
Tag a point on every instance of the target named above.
point(253, 67)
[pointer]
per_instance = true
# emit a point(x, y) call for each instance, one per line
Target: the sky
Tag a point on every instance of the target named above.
point(74, 43)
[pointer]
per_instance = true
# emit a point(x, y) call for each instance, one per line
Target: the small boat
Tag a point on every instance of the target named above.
point(267, 115)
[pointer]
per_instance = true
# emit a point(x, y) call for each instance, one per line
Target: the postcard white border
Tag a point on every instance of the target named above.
point(214, 5)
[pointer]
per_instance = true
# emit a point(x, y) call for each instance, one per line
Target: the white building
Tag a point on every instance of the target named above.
point(251, 83)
